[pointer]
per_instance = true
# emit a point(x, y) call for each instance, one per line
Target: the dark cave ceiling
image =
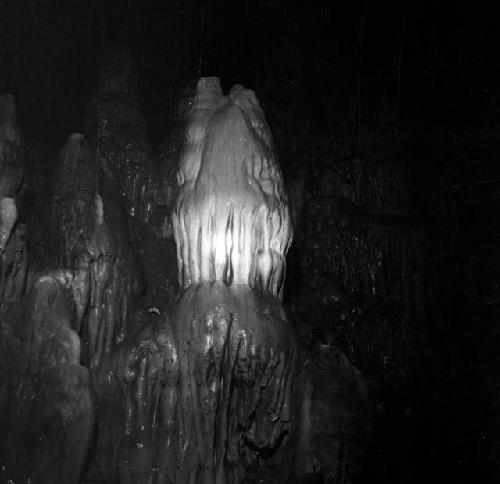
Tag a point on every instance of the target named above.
point(416, 59)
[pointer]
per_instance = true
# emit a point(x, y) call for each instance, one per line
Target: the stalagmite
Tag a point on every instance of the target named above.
point(11, 167)
point(47, 416)
point(116, 129)
point(91, 248)
point(207, 386)
point(231, 220)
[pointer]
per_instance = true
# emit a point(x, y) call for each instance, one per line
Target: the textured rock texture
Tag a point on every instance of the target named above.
point(231, 218)
point(207, 385)
point(116, 129)
point(11, 167)
point(93, 254)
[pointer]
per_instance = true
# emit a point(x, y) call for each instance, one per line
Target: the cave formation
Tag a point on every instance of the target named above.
point(200, 392)
point(248, 242)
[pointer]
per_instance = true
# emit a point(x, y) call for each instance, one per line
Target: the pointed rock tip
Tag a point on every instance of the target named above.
point(76, 136)
point(210, 82)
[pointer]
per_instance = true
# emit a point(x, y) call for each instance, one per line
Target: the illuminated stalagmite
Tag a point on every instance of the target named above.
point(207, 386)
point(231, 220)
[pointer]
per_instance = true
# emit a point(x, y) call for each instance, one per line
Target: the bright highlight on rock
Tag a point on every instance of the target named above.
point(231, 220)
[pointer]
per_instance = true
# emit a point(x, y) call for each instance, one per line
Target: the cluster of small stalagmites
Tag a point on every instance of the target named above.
point(77, 311)
point(207, 385)
point(231, 218)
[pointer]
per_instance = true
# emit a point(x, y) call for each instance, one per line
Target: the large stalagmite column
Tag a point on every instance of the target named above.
point(208, 389)
point(232, 228)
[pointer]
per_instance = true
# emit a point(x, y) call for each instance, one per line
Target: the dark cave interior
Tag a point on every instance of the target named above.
point(385, 120)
